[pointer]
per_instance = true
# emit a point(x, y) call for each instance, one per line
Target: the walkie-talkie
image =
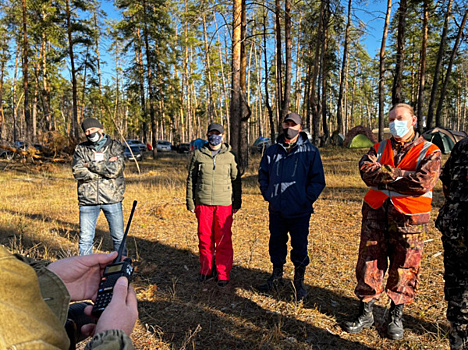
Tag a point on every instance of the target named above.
point(112, 273)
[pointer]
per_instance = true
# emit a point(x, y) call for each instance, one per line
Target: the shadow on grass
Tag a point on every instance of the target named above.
point(228, 319)
point(65, 229)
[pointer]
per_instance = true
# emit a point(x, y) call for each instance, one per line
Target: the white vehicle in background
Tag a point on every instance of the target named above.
point(163, 146)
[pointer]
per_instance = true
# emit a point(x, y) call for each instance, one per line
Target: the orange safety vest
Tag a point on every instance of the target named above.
point(406, 204)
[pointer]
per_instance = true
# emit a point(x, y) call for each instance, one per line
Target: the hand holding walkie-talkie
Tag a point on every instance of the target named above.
point(113, 272)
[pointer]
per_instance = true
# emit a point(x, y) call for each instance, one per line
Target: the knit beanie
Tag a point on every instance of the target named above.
point(91, 123)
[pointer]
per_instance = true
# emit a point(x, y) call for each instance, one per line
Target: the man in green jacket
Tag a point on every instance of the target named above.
point(35, 296)
point(214, 194)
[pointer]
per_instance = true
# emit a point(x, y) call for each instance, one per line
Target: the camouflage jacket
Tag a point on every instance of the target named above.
point(416, 182)
point(100, 180)
point(453, 216)
point(35, 304)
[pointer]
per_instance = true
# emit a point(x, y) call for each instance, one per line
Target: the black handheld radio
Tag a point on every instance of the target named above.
point(112, 273)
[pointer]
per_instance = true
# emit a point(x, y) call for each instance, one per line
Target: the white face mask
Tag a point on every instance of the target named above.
point(94, 137)
point(399, 128)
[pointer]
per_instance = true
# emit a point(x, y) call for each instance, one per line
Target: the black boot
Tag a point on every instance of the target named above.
point(301, 292)
point(365, 319)
point(275, 280)
point(395, 322)
point(457, 336)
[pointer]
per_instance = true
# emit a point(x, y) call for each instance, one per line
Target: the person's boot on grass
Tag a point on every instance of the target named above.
point(301, 292)
point(274, 281)
point(365, 319)
point(395, 322)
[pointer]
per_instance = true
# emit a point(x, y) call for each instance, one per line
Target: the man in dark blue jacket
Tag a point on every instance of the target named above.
point(291, 179)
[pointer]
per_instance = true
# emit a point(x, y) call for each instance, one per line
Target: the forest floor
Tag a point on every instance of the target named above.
point(39, 218)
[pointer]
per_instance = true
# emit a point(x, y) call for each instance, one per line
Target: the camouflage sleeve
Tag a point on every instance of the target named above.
point(375, 174)
point(420, 181)
point(110, 340)
point(110, 169)
point(80, 172)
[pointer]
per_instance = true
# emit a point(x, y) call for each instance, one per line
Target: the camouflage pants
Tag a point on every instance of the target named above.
point(390, 241)
point(456, 286)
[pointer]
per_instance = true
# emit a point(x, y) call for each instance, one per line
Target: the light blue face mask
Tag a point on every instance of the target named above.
point(399, 128)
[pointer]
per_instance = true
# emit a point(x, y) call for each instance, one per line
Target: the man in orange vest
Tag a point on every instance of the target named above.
point(400, 173)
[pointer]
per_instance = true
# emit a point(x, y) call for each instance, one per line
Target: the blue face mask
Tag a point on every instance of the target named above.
point(215, 140)
point(399, 128)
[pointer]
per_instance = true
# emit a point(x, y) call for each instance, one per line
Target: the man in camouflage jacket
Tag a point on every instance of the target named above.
point(453, 223)
point(98, 165)
point(400, 173)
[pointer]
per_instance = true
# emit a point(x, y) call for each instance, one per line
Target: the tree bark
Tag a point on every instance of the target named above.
point(422, 74)
point(382, 72)
point(27, 114)
point(396, 90)
point(288, 60)
point(339, 112)
point(440, 56)
point(449, 69)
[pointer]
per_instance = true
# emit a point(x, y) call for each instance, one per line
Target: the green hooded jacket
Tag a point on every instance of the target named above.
point(34, 303)
point(213, 180)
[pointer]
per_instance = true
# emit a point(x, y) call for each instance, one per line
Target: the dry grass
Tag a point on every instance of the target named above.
point(39, 217)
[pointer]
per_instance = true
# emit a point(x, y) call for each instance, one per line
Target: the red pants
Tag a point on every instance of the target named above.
point(215, 244)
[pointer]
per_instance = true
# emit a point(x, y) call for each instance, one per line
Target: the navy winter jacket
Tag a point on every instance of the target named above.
point(291, 181)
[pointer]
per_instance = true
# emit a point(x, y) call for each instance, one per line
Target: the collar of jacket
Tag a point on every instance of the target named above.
point(302, 139)
point(93, 145)
point(207, 150)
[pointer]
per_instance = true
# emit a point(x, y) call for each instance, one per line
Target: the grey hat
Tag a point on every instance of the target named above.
point(296, 118)
point(217, 127)
point(91, 123)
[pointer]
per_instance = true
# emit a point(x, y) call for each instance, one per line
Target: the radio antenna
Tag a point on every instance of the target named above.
point(122, 244)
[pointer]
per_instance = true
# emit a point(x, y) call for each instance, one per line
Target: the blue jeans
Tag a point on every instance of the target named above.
point(88, 219)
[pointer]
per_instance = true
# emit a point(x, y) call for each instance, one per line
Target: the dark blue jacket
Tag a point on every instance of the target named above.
point(291, 181)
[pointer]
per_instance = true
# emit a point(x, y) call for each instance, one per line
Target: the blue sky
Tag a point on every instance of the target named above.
point(372, 13)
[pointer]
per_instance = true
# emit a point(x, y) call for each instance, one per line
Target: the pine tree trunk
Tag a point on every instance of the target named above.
point(396, 90)
point(74, 132)
point(440, 56)
point(339, 112)
point(27, 115)
point(422, 74)
point(449, 69)
point(382, 72)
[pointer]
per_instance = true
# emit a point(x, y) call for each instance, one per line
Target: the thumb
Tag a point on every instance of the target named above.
point(120, 289)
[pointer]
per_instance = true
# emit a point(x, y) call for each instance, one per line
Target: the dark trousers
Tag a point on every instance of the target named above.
point(298, 229)
point(456, 285)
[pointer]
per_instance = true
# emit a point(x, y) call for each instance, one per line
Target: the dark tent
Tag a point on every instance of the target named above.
point(445, 139)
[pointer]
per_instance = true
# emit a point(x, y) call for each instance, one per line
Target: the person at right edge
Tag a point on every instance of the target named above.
point(400, 173)
point(452, 223)
point(291, 179)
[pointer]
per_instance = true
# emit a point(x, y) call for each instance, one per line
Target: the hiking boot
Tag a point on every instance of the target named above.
point(457, 336)
point(301, 292)
point(365, 319)
point(395, 322)
point(275, 280)
point(223, 283)
point(204, 278)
